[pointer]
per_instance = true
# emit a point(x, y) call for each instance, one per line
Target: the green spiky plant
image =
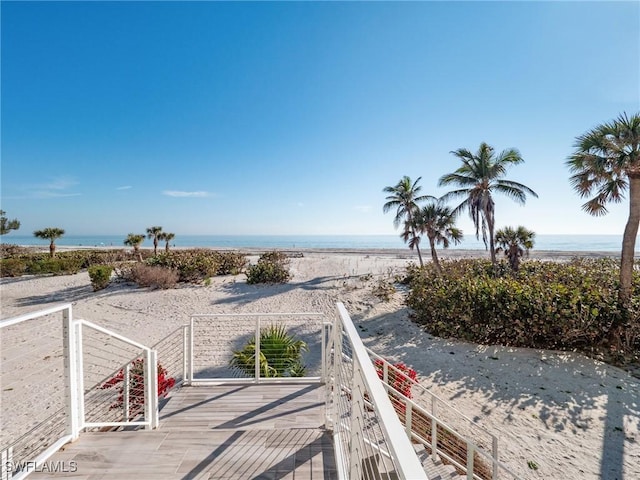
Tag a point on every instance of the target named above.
point(280, 354)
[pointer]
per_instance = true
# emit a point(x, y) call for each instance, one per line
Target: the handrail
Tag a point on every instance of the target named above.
point(34, 315)
point(400, 449)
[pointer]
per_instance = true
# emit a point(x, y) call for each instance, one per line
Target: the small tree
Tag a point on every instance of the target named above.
point(134, 240)
point(514, 243)
point(438, 222)
point(154, 232)
point(51, 234)
point(166, 237)
point(404, 198)
point(7, 225)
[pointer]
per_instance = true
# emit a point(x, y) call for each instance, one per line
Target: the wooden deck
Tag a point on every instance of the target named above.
point(222, 432)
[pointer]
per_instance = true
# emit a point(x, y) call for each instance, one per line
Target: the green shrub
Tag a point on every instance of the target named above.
point(154, 277)
point(550, 305)
point(280, 354)
point(192, 265)
point(100, 276)
point(272, 267)
point(231, 263)
point(55, 265)
point(12, 267)
point(384, 290)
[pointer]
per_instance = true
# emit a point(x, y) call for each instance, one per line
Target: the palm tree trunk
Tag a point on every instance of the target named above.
point(52, 249)
point(629, 240)
point(419, 255)
point(434, 255)
point(492, 245)
point(166, 247)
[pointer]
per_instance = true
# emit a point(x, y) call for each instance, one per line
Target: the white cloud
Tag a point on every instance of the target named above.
point(50, 194)
point(363, 208)
point(177, 193)
point(124, 187)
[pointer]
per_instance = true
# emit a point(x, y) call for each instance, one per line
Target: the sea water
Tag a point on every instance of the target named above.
point(595, 243)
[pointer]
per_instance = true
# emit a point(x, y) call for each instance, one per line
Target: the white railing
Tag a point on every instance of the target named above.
point(231, 348)
point(437, 426)
point(369, 441)
point(83, 408)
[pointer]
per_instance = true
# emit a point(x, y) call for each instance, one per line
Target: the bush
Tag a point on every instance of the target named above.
point(154, 277)
point(12, 267)
point(100, 276)
point(231, 263)
point(191, 265)
point(272, 267)
point(280, 355)
point(384, 290)
point(550, 305)
point(136, 387)
point(55, 265)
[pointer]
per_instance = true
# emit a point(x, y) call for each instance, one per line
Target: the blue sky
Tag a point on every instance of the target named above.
point(290, 118)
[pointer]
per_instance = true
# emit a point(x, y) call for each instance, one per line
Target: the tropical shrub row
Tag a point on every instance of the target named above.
point(551, 305)
point(16, 261)
point(195, 265)
point(272, 267)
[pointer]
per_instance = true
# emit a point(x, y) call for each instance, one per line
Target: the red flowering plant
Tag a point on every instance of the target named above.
point(401, 378)
point(136, 386)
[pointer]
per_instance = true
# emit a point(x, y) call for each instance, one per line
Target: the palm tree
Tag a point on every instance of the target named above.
point(50, 233)
point(438, 222)
point(166, 237)
point(280, 354)
point(154, 232)
point(514, 244)
point(479, 176)
point(404, 198)
point(134, 240)
point(7, 225)
point(606, 162)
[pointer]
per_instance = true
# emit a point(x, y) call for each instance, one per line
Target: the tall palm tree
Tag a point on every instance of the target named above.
point(606, 163)
point(404, 198)
point(166, 237)
point(438, 222)
point(51, 234)
point(134, 240)
point(154, 232)
point(514, 243)
point(7, 225)
point(480, 175)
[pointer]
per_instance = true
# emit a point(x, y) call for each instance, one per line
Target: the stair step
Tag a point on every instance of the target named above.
point(436, 470)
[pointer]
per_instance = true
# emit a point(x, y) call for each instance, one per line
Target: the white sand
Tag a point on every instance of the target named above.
point(576, 418)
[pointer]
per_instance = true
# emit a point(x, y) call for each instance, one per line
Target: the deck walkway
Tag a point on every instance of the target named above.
point(223, 432)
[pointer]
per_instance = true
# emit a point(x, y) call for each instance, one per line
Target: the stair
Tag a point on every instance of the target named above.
point(436, 470)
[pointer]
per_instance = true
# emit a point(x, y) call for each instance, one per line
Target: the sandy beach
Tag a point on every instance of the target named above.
point(571, 416)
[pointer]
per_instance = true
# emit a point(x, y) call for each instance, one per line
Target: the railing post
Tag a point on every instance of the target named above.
point(191, 328)
point(323, 353)
point(70, 353)
point(80, 374)
point(337, 371)
point(434, 438)
point(355, 457)
point(470, 452)
point(126, 384)
point(257, 351)
point(494, 447)
point(185, 355)
point(7, 464)
point(385, 372)
point(154, 388)
point(408, 413)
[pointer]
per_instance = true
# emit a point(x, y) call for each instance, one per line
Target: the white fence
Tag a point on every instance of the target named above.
point(93, 358)
point(255, 347)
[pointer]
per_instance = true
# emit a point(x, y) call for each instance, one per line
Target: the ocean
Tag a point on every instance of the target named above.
point(583, 243)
